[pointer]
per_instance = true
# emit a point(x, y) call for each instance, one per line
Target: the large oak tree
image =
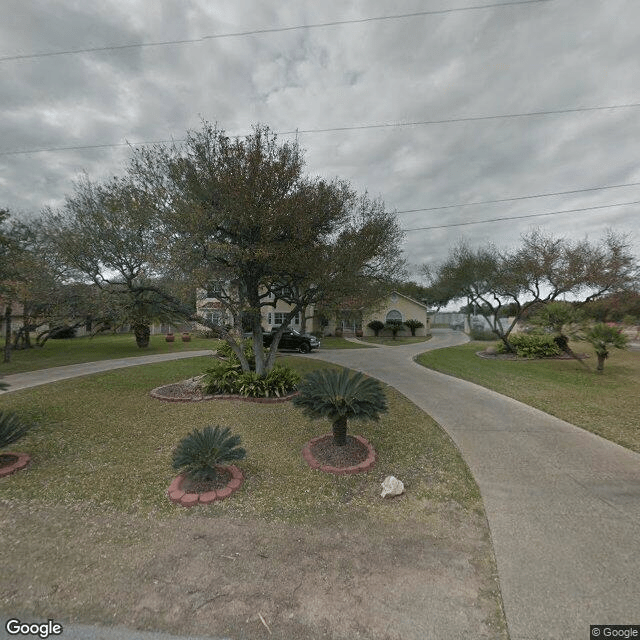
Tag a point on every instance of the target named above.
point(241, 213)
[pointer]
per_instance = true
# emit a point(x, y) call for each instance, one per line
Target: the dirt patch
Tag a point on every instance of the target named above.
point(211, 575)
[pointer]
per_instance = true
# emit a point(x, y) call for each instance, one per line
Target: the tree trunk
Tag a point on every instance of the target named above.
point(7, 333)
point(340, 432)
point(142, 331)
point(601, 359)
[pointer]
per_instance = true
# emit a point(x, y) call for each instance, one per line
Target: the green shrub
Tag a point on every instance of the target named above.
point(532, 345)
point(413, 325)
point(200, 452)
point(225, 351)
point(227, 377)
point(376, 326)
point(62, 333)
point(482, 334)
point(12, 428)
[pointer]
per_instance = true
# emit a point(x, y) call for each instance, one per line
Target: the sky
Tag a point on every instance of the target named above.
point(455, 81)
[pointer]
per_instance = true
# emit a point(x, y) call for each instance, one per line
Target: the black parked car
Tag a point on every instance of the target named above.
point(292, 339)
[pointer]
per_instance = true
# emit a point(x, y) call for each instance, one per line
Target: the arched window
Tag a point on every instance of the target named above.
point(394, 315)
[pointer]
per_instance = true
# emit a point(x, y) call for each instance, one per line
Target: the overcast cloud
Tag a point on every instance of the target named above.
point(545, 56)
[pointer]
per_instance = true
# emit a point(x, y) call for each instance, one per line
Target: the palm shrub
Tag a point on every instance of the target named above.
point(12, 428)
point(413, 325)
point(200, 453)
point(334, 395)
point(601, 337)
point(376, 326)
point(394, 326)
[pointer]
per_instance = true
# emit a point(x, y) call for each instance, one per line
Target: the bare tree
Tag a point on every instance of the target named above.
point(108, 234)
point(541, 270)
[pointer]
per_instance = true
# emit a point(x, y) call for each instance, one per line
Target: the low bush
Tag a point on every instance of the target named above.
point(532, 345)
point(482, 334)
point(228, 377)
point(199, 453)
point(225, 351)
point(62, 333)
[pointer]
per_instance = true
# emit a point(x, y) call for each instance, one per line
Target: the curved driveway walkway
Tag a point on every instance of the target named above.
point(563, 504)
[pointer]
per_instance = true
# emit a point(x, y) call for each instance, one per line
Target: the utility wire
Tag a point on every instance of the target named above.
point(514, 199)
point(237, 34)
point(531, 215)
point(361, 127)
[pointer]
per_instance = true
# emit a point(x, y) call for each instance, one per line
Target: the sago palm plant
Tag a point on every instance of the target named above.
point(199, 453)
point(601, 337)
point(12, 428)
point(337, 396)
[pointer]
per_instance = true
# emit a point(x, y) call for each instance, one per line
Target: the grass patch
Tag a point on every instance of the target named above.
point(57, 353)
point(388, 341)
point(103, 443)
point(331, 342)
point(605, 404)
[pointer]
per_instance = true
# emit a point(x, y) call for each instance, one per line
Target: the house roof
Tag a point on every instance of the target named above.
point(420, 304)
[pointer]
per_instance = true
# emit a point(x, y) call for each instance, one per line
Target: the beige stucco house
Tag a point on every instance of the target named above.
point(395, 306)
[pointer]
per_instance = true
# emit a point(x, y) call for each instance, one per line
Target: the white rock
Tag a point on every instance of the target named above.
point(391, 486)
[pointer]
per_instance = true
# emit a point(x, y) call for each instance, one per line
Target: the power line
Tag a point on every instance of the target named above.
point(515, 198)
point(237, 34)
point(361, 127)
point(531, 215)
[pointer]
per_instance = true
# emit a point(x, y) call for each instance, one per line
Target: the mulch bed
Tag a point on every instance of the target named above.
point(222, 479)
point(6, 459)
point(190, 391)
point(189, 493)
point(327, 452)
point(12, 462)
point(357, 456)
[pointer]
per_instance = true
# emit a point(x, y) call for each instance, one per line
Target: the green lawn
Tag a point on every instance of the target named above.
point(607, 404)
point(331, 342)
point(388, 341)
point(114, 451)
point(57, 353)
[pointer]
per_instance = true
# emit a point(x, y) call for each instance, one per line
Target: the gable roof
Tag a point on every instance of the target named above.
point(420, 304)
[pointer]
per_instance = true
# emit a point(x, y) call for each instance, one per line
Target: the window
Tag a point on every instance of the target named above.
point(277, 318)
point(215, 290)
point(215, 317)
point(394, 315)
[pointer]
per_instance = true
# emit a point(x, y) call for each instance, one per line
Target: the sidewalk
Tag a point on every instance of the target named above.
point(563, 504)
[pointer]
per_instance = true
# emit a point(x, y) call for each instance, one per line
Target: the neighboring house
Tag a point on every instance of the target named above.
point(395, 306)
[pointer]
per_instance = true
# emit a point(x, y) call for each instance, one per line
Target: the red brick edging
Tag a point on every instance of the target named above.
point(157, 394)
point(178, 496)
point(22, 461)
point(361, 467)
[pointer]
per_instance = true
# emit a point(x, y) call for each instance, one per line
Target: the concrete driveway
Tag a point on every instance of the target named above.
point(563, 504)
